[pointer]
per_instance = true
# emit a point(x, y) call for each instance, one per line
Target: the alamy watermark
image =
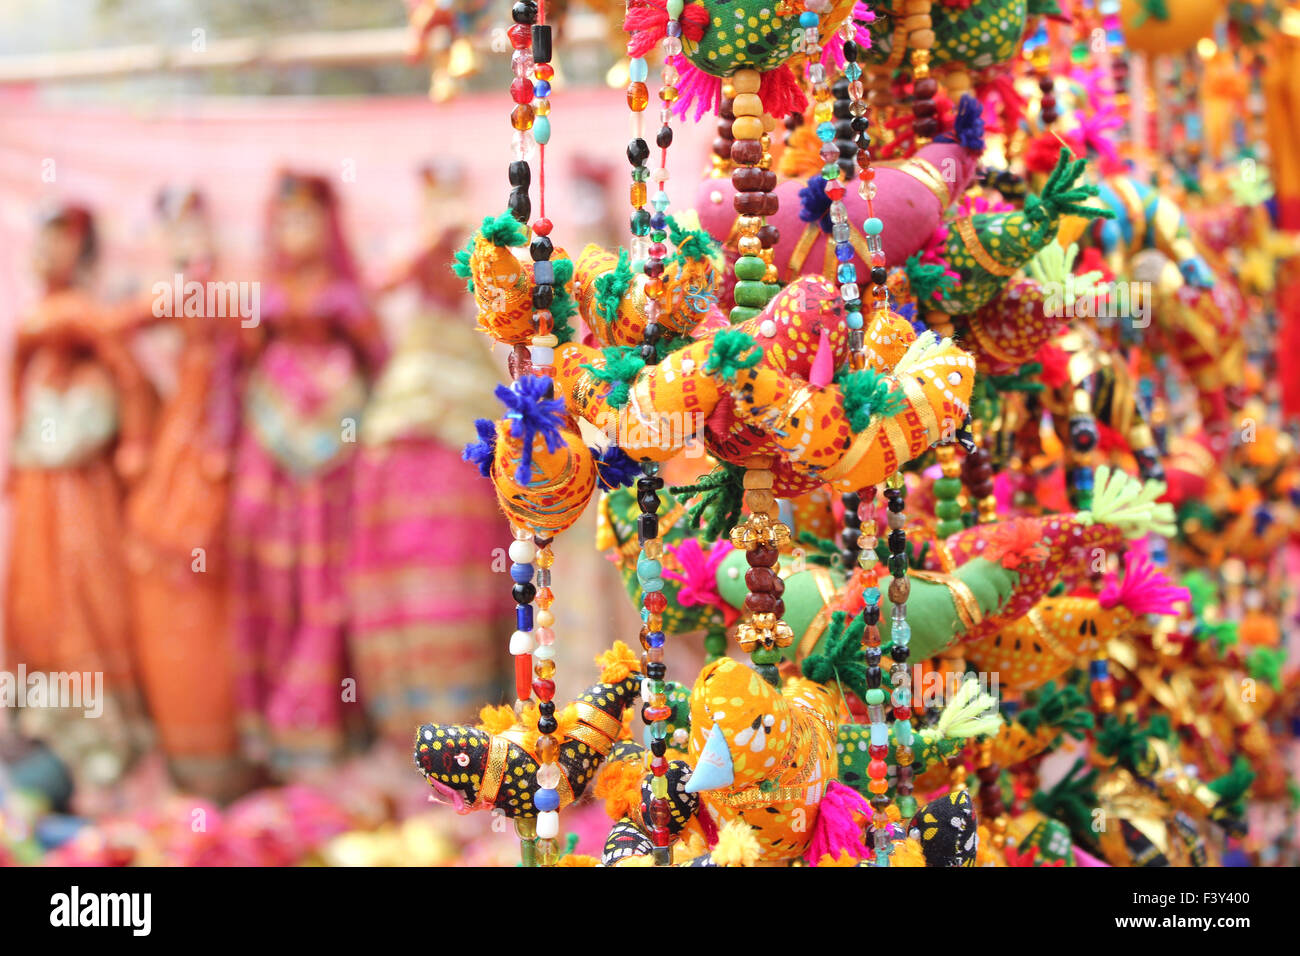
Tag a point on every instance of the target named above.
point(1080, 298)
point(62, 689)
point(208, 300)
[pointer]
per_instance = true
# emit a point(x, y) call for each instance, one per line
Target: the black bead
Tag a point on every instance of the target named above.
point(521, 174)
point(649, 483)
point(873, 656)
point(664, 138)
point(543, 296)
point(525, 11)
point(850, 51)
point(541, 248)
point(547, 725)
point(521, 207)
point(860, 124)
point(871, 614)
point(541, 43)
point(873, 677)
point(649, 354)
point(879, 275)
point(524, 593)
point(652, 331)
point(900, 653)
point(647, 527)
point(648, 502)
point(897, 540)
point(656, 670)
point(658, 747)
point(637, 151)
point(546, 708)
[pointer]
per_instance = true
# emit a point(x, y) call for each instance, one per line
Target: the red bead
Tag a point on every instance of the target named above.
point(659, 766)
point(521, 90)
point(523, 676)
point(835, 190)
point(544, 689)
point(651, 714)
point(521, 36)
point(543, 71)
point(542, 227)
point(902, 713)
point(878, 753)
point(877, 769)
point(660, 812)
point(660, 836)
point(655, 602)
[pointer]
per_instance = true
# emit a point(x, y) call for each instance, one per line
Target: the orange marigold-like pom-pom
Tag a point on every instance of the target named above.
point(1015, 543)
point(802, 155)
point(907, 853)
point(577, 859)
point(617, 663)
point(497, 720)
point(619, 785)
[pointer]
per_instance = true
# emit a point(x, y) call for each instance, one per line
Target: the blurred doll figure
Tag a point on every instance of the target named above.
point(317, 344)
point(422, 588)
point(176, 518)
point(82, 411)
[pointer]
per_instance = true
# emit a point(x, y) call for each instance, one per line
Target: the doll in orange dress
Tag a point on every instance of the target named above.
point(82, 410)
point(318, 347)
point(176, 519)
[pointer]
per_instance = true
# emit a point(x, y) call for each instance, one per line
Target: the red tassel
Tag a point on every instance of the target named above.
point(648, 24)
point(780, 93)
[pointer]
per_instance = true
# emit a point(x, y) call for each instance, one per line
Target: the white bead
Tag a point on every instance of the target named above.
point(548, 776)
point(660, 174)
point(541, 356)
point(521, 642)
point(544, 618)
point(767, 328)
point(548, 825)
point(545, 653)
point(522, 552)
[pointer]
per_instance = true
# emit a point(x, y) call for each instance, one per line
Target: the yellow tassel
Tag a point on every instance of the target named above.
point(497, 720)
point(844, 859)
point(578, 859)
point(617, 663)
point(907, 853)
point(737, 845)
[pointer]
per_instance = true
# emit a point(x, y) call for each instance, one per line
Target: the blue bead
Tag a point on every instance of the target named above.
point(852, 71)
point(1099, 670)
point(638, 70)
point(523, 617)
point(871, 595)
point(873, 226)
point(844, 253)
point(808, 19)
point(521, 573)
point(658, 221)
point(854, 320)
point(847, 272)
point(547, 800)
point(541, 89)
point(825, 132)
point(542, 130)
point(652, 584)
point(655, 638)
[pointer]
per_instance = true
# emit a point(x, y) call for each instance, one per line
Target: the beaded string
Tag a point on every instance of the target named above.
point(901, 632)
point(655, 710)
point(750, 153)
point(920, 38)
point(764, 631)
point(878, 748)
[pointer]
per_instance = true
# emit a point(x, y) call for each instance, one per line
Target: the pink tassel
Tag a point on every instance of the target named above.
point(647, 22)
point(695, 88)
point(1145, 589)
point(699, 577)
point(836, 830)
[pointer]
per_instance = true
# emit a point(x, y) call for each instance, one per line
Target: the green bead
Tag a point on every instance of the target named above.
point(766, 655)
point(907, 807)
point(750, 267)
point(640, 174)
point(945, 529)
point(948, 510)
point(752, 294)
point(831, 171)
point(740, 314)
point(947, 488)
point(875, 696)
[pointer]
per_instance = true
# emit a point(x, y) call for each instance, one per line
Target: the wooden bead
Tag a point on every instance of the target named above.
point(747, 104)
point(747, 127)
point(745, 81)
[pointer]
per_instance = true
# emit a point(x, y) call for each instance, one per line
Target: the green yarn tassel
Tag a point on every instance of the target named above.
point(1231, 788)
point(732, 351)
point(622, 365)
point(563, 308)
point(841, 660)
point(504, 230)
point(1072, 801)
point(691, 243)
point(1065, 709)
point(926, 278)
point(721, 497)
point(1060, 196)
point(460, 264)
point(867, 394)
point(612, 286)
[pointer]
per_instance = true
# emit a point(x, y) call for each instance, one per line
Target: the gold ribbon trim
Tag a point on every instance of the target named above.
point(963, 598)
point(598, 720)
point(593, 738)
point(495, 771)
point(966, 229)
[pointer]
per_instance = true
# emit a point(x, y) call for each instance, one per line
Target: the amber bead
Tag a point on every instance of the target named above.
point(637, 194)
point(638, 96)
point(655, 602)
point(521, 118)
point(548, 748)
